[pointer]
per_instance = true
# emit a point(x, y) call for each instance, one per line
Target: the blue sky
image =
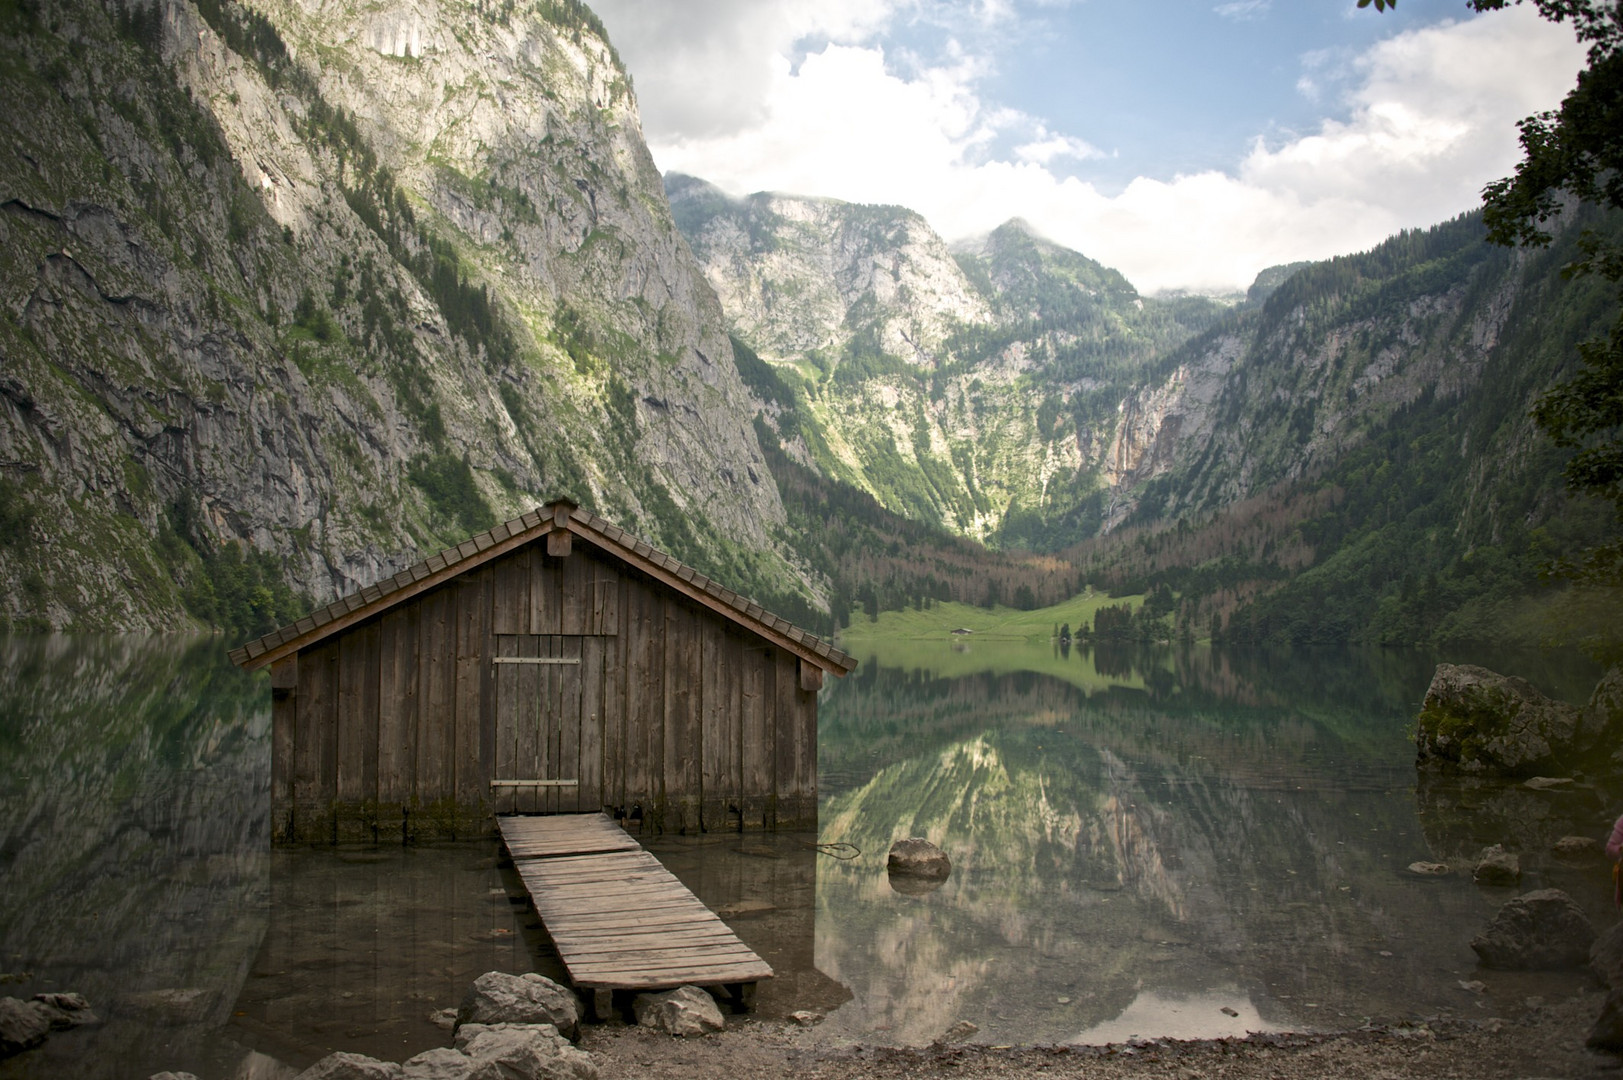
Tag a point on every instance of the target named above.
point(1165, 88)
point(1189, 144)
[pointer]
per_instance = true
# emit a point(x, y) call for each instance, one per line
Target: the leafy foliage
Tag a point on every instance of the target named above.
point(16, 517)
point(1576, 152)
point(233, 586)
point(448, 483)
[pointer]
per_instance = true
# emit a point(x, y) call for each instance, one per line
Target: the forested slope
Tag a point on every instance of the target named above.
point(1372, 471)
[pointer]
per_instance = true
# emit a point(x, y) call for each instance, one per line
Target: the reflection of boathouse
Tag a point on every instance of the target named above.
point(555, 663)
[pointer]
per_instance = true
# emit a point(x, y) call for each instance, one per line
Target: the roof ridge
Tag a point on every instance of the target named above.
point(538, 521)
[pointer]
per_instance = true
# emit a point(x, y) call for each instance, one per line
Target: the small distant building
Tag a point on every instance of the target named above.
point(554, 664)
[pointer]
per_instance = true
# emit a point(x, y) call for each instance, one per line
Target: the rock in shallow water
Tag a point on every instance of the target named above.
point(23, 1025)
point(1535, 931)
point(1498, 867)
point(1477, 720)
point(1428, 869)
point(687, 1010)
point(66, 1011)
point(917, 857)
point(1569, 847)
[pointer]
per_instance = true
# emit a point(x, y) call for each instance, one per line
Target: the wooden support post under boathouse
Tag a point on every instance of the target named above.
point(555, 664)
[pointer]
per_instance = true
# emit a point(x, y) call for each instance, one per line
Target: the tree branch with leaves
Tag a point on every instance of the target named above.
point(1574, 154)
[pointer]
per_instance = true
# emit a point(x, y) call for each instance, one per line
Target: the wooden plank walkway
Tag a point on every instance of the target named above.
point(619, 919)
point(563, 834)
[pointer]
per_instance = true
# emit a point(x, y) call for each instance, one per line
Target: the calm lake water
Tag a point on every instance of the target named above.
point(1145, 843)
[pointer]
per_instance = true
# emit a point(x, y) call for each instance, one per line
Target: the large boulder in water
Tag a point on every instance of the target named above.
point(1476, 720)
point(1535, 931)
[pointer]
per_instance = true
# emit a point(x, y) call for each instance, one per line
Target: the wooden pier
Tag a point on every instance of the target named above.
point(619, 920)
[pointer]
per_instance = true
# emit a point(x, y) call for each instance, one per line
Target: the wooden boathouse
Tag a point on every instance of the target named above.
point(554, 664)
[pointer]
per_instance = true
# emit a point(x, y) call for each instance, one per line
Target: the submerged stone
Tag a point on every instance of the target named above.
point(917, 857)
point(1498, 867)
point(1569, 846)
point(1428, 869)
point(1536, 931)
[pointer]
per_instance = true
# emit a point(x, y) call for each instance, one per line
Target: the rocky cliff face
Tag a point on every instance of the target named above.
point(301, 292)
point(803, 277)
point(1033, 398)
point(987, 389)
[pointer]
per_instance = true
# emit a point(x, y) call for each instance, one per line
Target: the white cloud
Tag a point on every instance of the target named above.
point(1047, 147)
point(707, 69)
point(1243, 9)
point(1432, 119)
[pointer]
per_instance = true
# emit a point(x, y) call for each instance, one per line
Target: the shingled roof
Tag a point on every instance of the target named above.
point(511, 535)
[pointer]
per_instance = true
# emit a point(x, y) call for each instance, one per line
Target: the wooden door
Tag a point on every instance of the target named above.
point(540, 724)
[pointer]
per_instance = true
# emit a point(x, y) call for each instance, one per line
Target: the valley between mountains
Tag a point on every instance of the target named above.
point(295, 295)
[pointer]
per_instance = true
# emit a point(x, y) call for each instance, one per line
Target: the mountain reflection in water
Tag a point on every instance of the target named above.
point(1231, 832)
point(134, 845)
point(1142, 840)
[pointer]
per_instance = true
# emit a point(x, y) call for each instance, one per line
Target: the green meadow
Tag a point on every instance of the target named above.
point(1000, 640)
point(998, 623)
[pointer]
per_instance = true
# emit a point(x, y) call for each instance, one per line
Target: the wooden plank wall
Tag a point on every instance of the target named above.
point(390, 728)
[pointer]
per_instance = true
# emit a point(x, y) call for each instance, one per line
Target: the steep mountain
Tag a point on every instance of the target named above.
point(1347, 453)
point(978, 389)
point(294, 293)
point(1363, 462)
